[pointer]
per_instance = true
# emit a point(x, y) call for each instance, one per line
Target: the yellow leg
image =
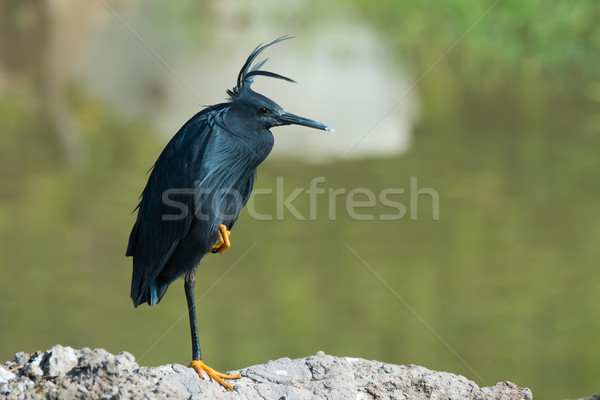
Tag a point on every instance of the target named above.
point(223, 240)
point(199, 366)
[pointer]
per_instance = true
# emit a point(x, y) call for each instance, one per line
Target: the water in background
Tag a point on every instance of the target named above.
point(345, 64)
point(502, 287)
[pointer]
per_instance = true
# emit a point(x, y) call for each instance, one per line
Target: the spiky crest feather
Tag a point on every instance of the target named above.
point(248, 72)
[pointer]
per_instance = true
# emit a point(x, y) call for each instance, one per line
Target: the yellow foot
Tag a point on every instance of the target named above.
point(199, 366)
point(223, 240)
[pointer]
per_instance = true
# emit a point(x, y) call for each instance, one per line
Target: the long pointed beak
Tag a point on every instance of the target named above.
point(287, 118)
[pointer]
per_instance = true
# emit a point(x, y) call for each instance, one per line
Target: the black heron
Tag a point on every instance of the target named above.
point(197, 189)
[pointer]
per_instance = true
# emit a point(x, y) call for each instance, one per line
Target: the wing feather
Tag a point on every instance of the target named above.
point(166, 209)
point(202, 179)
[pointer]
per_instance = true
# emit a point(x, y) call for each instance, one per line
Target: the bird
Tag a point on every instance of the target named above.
point(197, 188)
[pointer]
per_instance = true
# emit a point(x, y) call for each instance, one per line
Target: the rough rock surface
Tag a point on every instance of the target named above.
point(65, 373)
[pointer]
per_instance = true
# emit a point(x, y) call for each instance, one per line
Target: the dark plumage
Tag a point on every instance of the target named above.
point(202, 180)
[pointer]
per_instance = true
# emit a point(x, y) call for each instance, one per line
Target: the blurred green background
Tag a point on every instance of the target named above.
point(504, 286)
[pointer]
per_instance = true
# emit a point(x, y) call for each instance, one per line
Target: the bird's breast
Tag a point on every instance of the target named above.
point(257, 148)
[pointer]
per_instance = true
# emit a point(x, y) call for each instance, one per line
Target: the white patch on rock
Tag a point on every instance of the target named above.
point(6, 375)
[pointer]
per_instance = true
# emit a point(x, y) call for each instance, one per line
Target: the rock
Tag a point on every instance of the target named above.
point(21, 358)
point(32, 369)
point(63, 372)
point(6, 375)
point(59, 360)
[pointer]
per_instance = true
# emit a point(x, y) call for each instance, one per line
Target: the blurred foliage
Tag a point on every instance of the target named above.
point(507, 277)
point(494, 39)
point(489, 40)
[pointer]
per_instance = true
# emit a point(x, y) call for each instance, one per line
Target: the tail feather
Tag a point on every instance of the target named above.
point(157, 291)
point(148, 291)
point(152, 295)
point(147, 286)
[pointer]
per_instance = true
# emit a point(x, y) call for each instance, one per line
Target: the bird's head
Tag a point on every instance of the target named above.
point(255, 107)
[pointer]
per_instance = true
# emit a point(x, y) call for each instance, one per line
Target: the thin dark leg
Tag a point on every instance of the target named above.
point(197, 363)
point(190, 281)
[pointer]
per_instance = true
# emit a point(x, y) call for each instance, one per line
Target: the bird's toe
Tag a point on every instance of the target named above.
point(200, 368)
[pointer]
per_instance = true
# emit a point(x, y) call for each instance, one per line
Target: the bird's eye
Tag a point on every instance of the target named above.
point(262, 110)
